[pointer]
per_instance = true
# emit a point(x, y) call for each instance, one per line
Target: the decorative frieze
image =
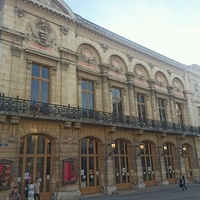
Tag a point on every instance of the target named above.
point(64, 64)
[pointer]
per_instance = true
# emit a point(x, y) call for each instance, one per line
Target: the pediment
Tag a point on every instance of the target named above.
point(58, 6)
point(194, 68)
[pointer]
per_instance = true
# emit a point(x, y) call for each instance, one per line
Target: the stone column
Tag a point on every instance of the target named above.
point(105, 88)
point(154, 105)
point(132, 103)
point(189, 108)
point(172, 109)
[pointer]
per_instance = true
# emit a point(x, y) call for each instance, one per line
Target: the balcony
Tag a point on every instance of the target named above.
point(40, 110)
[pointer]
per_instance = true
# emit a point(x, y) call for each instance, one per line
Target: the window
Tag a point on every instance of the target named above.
point(40, 84)
point(161, 106)
point(87, 95)
point(179, 113)
point(141, 107)
point(117, 101)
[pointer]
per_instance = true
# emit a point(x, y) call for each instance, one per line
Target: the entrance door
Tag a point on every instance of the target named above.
point(35, 162)
point(122, 176)
point(188, 168)
point(169, 164)
point(89, 175)
point(148, 165)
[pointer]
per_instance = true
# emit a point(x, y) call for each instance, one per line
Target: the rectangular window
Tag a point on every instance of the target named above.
point(87, 95)
point(161, 107)
point(40, 84)
point(117, 101)
point(141, 107)
point(179, 113)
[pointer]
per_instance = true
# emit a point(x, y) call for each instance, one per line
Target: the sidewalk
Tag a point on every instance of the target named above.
point(130, 192)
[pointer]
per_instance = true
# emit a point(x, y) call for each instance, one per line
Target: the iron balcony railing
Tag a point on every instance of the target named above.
point(16, 106)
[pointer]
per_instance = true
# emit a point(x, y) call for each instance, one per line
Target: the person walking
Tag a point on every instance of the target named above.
point(36, 189)
point(182, 182)
point(14, 195)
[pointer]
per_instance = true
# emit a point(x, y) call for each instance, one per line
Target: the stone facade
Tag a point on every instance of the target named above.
point(48, 33)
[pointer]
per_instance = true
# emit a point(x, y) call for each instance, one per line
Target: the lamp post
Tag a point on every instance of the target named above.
point(142, 147)
point(164, 149)
point(113, 145)
point(184, 149)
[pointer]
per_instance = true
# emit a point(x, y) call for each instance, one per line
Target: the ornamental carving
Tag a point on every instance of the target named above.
point(104, 47)
point(16, 50)
point(160, 79)
point(116, 64)
point(19, 12)
point(42, 32)
point(49, 3)
point(197, 87)
point(64, 30)
point(88, 55)
point(139, 72)
point(177, 84)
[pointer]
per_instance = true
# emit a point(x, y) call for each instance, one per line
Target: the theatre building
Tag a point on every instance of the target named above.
point(86, 111)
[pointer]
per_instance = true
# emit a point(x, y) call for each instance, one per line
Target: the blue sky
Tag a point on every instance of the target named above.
point(169, 27)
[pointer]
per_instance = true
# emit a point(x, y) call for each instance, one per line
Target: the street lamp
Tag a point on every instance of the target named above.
point(184, 149)
point(113, 145)
point(142, 147)
point(164, 149)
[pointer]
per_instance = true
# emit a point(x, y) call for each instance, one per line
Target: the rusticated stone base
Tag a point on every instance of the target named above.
point(73, 195)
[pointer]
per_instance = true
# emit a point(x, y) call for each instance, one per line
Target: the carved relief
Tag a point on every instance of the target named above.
point(160, 79)
point(197, 88)
point(49, 3)
point(42, 32)
point(116, 64)
point(177, 84)
point(104, 47)
point(16, 50)
point(20, 12)
point(130, 58)
point(64, 30)
point(139, 72)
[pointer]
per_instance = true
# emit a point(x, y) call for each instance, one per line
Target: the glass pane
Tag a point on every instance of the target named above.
point(118, 93)
point(121, 147)
point(30, 144)
point(20, 172)
point(123, 170)
point(21, 150)
point(48, 146)
point(119, 107)
point(41, 145)
point(84, 101)
point(84, 87)
point(45, 73)
point(29, 168)
point(96, 148)
point(90, 86)
point(40, 172)
point(117, 170)
point(90, 102)
point(84, 172)
point(34, 90)
point(91, 172)
point(97, 171)
point(45, 92)
point(113, 92)
point(35, 70)
point(48, 170)
point(83, 146)
point(91, 146)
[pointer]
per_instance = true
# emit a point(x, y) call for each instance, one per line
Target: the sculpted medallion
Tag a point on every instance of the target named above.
point(42, 32)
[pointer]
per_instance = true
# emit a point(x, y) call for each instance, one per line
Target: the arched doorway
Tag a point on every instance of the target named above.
point(122, 174)
point(168, 156)
point(35, 161)
point(89, 166)
point(147, 159)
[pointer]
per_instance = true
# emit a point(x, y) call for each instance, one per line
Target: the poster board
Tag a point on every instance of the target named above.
point(69, 171)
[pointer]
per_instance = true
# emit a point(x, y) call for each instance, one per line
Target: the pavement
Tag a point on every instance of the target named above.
point(134, 191)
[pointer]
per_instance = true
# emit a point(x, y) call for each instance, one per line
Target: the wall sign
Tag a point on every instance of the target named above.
point(5, 174)
point(69, 171)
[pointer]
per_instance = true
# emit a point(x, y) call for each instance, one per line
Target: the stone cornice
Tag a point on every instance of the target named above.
point(58, 7)
point(125, 42)
point(12, 31)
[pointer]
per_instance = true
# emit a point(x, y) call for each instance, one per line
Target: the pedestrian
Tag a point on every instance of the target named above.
point(182, 182)
point(14, 195)
point(36, 189)
point(29, 181)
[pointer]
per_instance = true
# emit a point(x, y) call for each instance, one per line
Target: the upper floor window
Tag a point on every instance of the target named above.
point(179, 113)
point(141, 106)
point(40, 83)
point(87, 95)
point(161, 107)
point(117, 101)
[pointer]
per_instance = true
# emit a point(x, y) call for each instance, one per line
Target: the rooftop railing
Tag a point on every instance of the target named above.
point(27, 108)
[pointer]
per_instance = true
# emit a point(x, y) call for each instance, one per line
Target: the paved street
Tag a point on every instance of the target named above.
point(170, 192)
